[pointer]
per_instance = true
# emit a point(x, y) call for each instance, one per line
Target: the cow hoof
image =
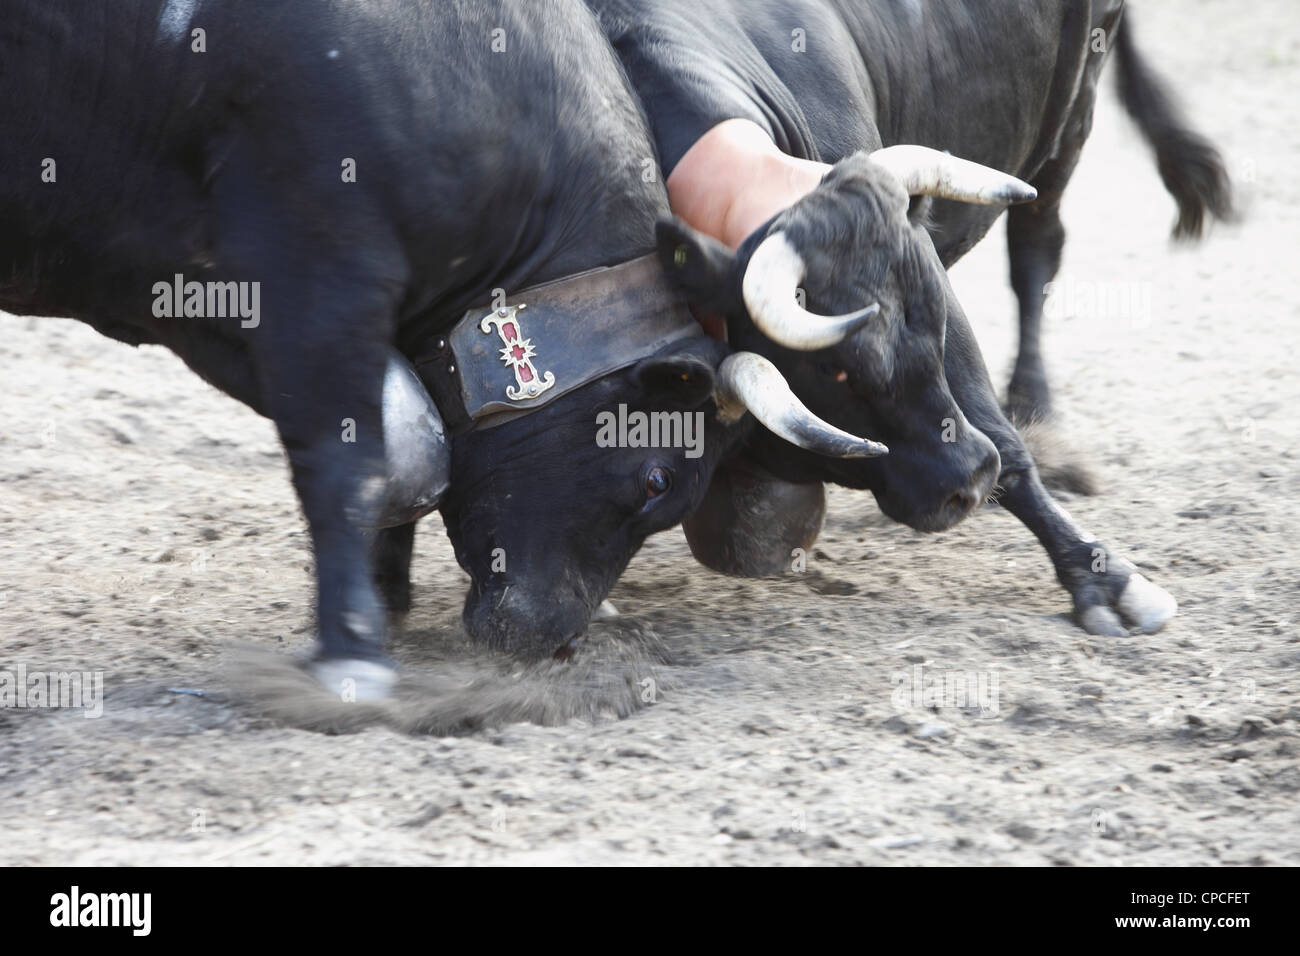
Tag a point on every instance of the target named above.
point(1102, 621)
point(605, 612)
point(1145, 606)
point(1142, 606)
point(355, 680)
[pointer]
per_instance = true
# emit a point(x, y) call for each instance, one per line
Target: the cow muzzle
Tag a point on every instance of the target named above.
point(935, 490)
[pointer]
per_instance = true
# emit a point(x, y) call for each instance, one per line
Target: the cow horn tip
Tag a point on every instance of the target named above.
point(1019, 192)
point(861, 317)
point(869, 449)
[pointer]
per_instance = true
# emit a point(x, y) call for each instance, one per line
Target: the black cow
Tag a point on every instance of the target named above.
point(1008, 83)
point(372, 171)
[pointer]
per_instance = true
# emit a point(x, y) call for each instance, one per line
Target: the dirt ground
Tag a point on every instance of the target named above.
point(148, 530)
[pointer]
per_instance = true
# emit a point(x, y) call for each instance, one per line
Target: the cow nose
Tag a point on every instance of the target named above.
point(529, 620)
point(966, 499)
point(961, 502)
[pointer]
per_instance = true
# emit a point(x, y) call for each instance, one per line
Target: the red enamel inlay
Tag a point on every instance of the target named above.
point(525, 372)
point(508, 331)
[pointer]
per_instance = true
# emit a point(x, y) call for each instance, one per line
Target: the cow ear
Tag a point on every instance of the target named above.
point(679, 381)
point(697, 264)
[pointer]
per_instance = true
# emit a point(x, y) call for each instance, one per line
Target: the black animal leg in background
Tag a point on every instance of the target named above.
point(1035, 237)
point(390, 554)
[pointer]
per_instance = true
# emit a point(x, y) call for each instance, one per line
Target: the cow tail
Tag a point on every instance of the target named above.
point(1189, 164)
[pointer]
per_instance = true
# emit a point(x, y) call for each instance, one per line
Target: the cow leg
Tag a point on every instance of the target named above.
point(1107, 590)
point(390, 555)
point(323, 376)
point(1035, 237)
point(340, 484)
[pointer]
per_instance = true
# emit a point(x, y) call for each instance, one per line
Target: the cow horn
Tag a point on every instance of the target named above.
point(929, 172)
point(748, 382)
point(771, 278)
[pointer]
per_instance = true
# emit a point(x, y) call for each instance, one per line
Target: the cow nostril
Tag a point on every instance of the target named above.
point(959, 501)
point(565, 651)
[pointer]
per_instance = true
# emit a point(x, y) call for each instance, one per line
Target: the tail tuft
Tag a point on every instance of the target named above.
point(1194, 174)
point(1189, 164)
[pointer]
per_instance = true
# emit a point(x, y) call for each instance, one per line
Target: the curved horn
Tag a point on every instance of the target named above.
point(768, 288)
point(747, 381)
point(928, 172)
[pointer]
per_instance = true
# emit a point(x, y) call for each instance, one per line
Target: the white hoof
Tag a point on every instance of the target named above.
point(605, 611)
point(354, 680)
point(1146, 606)
point(1102, 621)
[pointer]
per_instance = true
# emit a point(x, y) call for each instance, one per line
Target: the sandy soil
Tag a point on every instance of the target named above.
point(147, 530)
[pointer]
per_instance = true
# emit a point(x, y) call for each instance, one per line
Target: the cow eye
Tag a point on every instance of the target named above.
point(657, 482)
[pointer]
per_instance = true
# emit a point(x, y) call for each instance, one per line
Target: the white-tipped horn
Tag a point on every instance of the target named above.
point(929, 172)
point(768, 288)
point(748, 382)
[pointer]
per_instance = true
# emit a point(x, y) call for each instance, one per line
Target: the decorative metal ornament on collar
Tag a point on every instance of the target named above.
point(502, 362)
point(518, 353)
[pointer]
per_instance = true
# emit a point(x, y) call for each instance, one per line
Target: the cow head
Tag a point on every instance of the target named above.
point(545, 511)
point(844, 293)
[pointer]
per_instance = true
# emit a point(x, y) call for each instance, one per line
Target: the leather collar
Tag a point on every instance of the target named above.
point(502, 362)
